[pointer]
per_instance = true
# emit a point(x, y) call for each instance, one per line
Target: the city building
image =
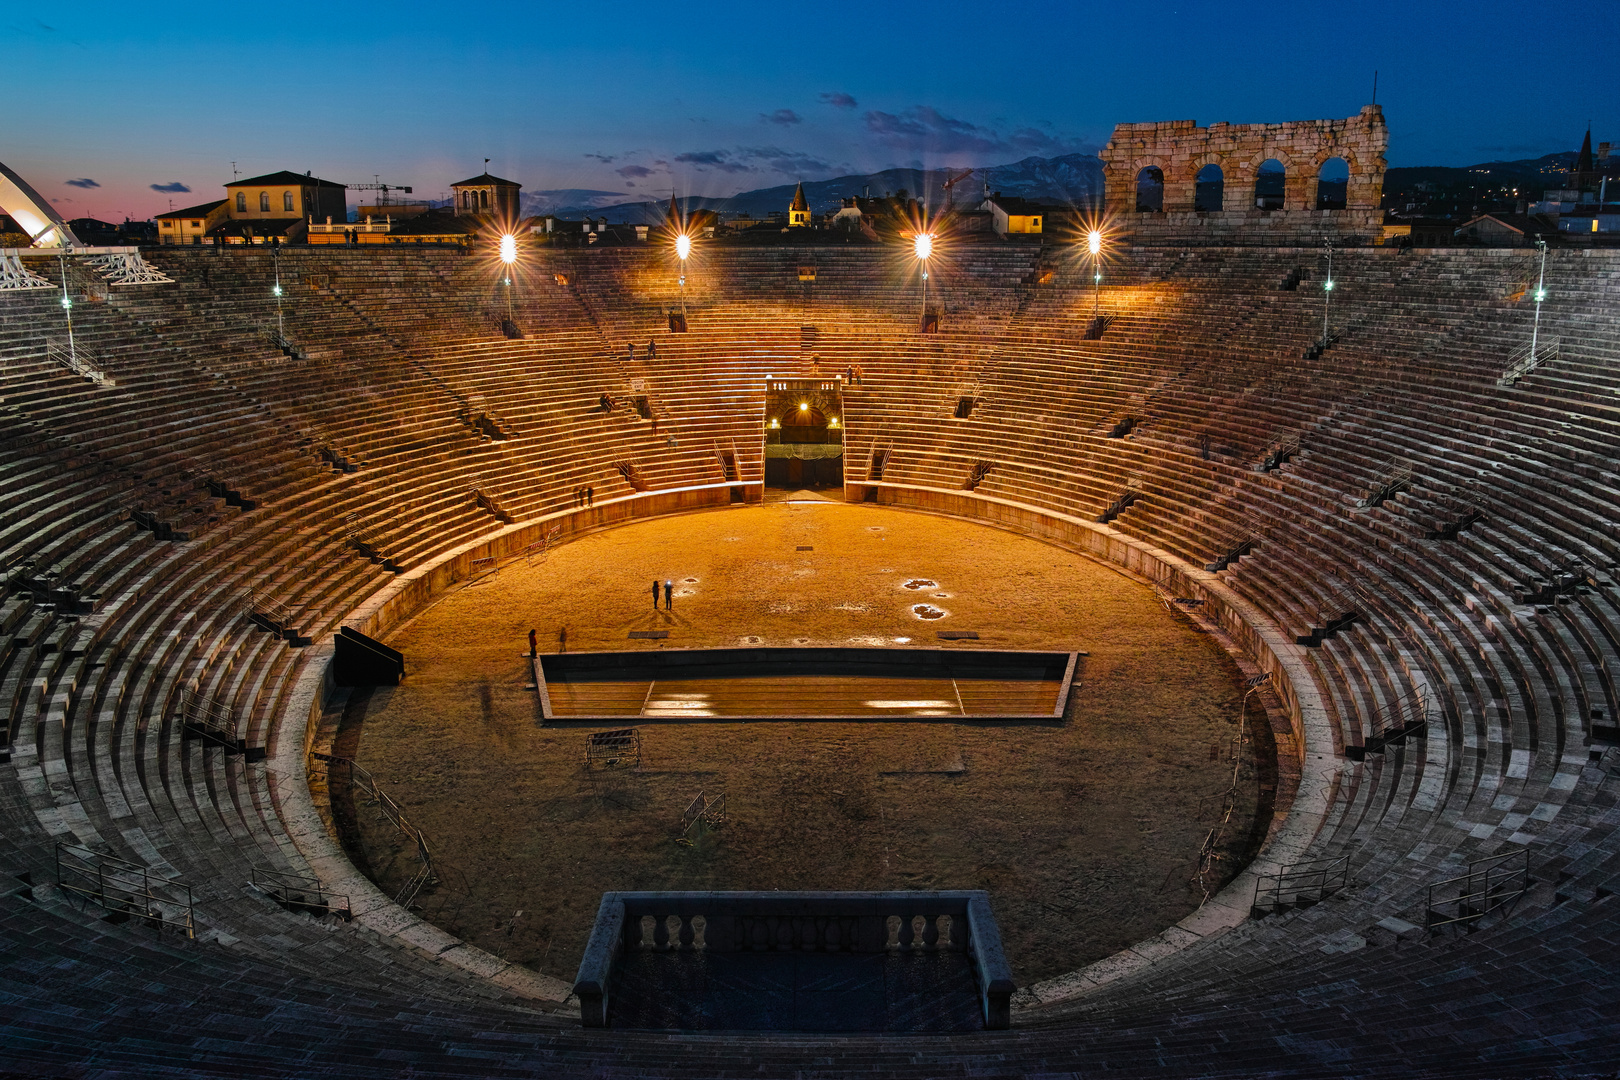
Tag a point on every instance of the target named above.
point(486, 194)
point(192, 224)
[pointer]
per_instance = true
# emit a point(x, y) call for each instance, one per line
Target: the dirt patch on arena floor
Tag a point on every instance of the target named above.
point(1086, 833)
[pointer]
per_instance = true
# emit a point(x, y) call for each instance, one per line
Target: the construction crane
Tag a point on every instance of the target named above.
point(381, 189)
point(951, 183)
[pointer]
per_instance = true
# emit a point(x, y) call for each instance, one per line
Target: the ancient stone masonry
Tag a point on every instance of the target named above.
point(1180, 149)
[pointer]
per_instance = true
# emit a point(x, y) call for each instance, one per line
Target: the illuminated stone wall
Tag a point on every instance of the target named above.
point(1180, 149)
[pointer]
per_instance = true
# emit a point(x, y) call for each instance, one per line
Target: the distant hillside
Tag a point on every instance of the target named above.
point(1070, 178)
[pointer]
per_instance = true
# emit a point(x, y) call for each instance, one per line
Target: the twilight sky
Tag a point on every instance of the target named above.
point(117, 108)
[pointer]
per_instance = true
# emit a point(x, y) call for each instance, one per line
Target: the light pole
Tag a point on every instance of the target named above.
point(281, 328)
point(1541, 294)
point(508, 257)
point(1327, 294)
point(1094, 245)
point(923, 247)
point(683, 248)
point(67, 304)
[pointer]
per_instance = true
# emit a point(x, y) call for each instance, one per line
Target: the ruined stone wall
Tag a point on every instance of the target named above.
point(1180, 148)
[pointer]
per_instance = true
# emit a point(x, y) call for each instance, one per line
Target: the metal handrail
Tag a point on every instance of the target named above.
point(122, 887)
point(367, 783)
point(77, 360)
point(1489, 884)
point(1527, 357)
point(284, 886)
point(1320, 876)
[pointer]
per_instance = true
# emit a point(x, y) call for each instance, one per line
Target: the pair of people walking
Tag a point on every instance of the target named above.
point(669, 595)
point(585, 496)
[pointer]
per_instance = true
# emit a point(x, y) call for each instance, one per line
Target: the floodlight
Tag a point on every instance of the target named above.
point(804, 406)
point(1094, 241)
point(923, 245)
point(508, 249)
point(683, 246)
point(276, 291)
point(1328, 284)
point(65, 301)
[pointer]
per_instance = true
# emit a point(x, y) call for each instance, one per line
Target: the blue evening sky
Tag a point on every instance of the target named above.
point(722, 97)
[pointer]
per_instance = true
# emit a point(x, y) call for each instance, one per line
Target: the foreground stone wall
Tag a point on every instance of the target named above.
point(1180, 148)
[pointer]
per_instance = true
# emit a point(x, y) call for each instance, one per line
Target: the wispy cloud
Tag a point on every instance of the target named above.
point(633, 171)
point(925, 127)
point(790, 162)
point(606, 159)
point(82, 182)
point(837, 100)
point(703, 160)
point(782, 117)
point(169, 189)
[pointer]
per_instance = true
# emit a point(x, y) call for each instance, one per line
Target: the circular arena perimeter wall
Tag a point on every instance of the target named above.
point(1310, 751)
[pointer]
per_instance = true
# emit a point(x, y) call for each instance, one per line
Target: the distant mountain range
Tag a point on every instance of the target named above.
point(1070, 178)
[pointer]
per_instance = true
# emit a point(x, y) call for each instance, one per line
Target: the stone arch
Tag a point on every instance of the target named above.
point(1209, 187)
point(1270, 186)
point(1332, 184)
point(1147, 197)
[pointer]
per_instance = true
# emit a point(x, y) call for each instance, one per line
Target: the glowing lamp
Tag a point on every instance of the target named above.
point(1094, 241)
point(276, 291)
point(66, 302)
point(508, 249)
point(1541, 294)
point(804, 406)
point(1328, 284)
point(923, 245)
point(683, 246)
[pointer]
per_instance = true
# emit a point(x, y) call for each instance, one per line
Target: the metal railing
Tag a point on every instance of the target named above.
point(262, 603)
point(1526, 358)
point(80, 362)
point(300, 891)
point(1396, 477)
point(124, 888)
point(211, 714)
point(360, 778)
point(1489, 884)
point(1301, 884)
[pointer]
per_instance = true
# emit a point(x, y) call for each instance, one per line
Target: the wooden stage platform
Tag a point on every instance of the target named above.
point(805, 684)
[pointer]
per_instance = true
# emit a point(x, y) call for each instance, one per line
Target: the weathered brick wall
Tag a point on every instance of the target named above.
point(1179, 148)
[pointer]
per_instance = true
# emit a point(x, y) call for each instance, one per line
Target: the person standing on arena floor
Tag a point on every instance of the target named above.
point(669, 596)
point(590, 496)
point(652, 349)
point(655, 594)
point(534, 648)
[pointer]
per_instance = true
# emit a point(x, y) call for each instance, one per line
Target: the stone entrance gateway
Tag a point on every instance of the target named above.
point(804, 433)
point(1181, 153)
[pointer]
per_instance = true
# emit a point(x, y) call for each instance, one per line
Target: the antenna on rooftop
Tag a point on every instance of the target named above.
point(234, 174)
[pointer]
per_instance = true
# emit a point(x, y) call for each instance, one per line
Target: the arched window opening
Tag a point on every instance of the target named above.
point(287, 201)
point(241, 202)
point(1209, 190)
point(1269, 181)
point(264, 202)
point(1150, 190)
point(1332, 184)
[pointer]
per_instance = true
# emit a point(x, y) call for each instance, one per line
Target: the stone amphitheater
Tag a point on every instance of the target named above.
point(209, 483)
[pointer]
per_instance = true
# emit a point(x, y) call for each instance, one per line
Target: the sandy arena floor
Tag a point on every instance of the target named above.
point(1085, 832)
